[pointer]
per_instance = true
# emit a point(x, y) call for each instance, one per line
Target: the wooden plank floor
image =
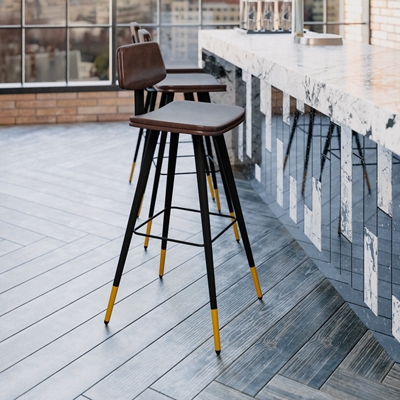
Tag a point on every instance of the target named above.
point(64, 201)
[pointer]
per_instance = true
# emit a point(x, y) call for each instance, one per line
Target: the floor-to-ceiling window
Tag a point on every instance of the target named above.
point(73, 42)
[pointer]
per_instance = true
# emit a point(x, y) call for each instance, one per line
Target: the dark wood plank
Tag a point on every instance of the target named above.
point(368, 359)
point(393, 377)
point(218, 391)
point(281, 388)
point(153, 362)
point(273, 350)
point(201, 367)
point(128, 308)
point(346, 385)
point(317, 360)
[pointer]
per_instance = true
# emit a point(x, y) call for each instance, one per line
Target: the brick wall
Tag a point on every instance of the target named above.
point(50, 108)
point(385, 23)
point(353, 13)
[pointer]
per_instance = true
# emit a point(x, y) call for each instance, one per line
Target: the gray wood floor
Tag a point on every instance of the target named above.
point(64, 201)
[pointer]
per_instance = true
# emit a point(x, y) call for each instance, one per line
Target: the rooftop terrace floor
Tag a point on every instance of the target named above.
point(64, 204)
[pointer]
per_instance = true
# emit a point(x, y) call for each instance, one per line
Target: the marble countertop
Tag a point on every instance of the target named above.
point(357, 85)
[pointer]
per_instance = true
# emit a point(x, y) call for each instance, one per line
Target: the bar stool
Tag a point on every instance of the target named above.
point(140, 66)
point(187, 83)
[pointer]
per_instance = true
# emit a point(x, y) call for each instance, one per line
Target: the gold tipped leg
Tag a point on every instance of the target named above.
point(235, 228)
point(215, 326)
point(132, 170)
point(111, 302)
point(217, 200)
point(256, 282)
point(148, 230)
point(140, 207)
point(162, 262)
point(211, 187)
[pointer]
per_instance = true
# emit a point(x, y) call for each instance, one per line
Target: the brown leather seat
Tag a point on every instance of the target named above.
point(193, 118)
point(189, 83)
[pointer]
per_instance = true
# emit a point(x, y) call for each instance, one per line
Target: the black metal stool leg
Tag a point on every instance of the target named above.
point(226, 169)
point(308, 149)
point(156, 182)
point(165, 98)
point(205, 98)
point(190, 97)
point(228, 200)
point(146, 108)
point(292, 132)
point(205, 222)
point(360, 153)
point(140, 188)
point(173, 152)
point(210, 157)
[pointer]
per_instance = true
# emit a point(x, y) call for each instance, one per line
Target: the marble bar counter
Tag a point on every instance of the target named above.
point(321, 142)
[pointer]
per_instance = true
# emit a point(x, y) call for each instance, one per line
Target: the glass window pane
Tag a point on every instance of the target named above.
point(179, 12)
point(313, 10)
point(224, 11)
point(10, 55)
point(45, 58)
point(124, 35)
point(335, 29)
point(45, 12)
point(333, 10)
point(143, 12)
point(84, 12)
point(89, 54)
point(179, 43)
point(10, 12)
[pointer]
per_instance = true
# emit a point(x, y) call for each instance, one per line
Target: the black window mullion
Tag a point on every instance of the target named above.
point(67, 41)
point(113, 42)
point(22, 76)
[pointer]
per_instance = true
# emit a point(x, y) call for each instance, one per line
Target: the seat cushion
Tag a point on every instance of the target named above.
point(182, 67)
point(191, 117)
point(189, 83)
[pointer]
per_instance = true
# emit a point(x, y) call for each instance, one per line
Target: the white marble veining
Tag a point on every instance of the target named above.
point(247, 78)
point(313, 218)
point(358, 85)
point(240, 141)
point(371, 270)
point(293, 199)
point(286, 109)
point(265, 108)
point(396, 317)
point(385, 202)
point(300, 105)
point(346, 193)
point(279, 172)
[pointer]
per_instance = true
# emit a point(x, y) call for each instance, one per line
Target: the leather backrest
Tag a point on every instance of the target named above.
point(140, 65)
point(134, 32)
point(144, 36)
